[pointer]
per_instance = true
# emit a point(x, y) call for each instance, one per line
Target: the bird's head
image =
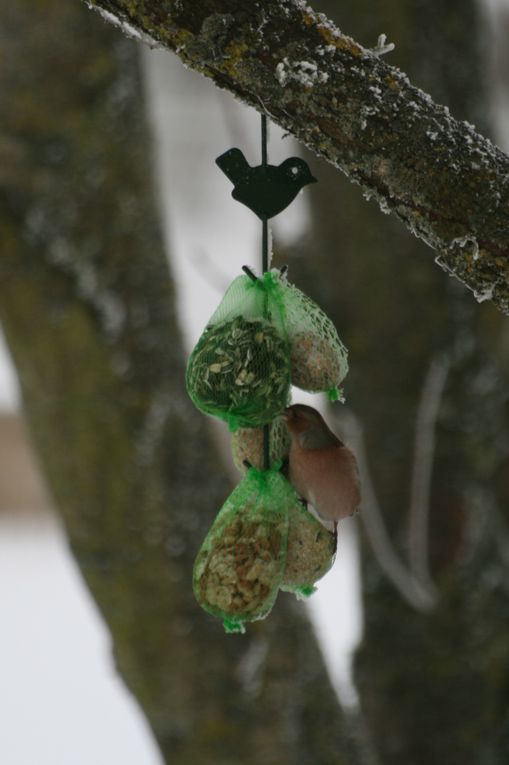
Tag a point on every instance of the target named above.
point(300, 418)
point(297, 171)
point(308, 427)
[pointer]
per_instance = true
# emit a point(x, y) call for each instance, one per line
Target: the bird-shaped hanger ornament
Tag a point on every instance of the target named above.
point(264, 336)
point(266, 189)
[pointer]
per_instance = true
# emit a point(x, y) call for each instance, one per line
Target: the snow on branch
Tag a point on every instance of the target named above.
point(445, 182)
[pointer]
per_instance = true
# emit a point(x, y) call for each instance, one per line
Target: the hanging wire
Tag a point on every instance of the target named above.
point(265, 224)
point(265, 267)
point(264, 139)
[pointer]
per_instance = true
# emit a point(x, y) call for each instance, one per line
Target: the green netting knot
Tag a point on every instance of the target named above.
point(233, 422)
point(233, 627)
point(301, 593)
point(336, 394)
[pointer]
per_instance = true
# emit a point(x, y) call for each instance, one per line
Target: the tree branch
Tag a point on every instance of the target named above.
point(445, 182)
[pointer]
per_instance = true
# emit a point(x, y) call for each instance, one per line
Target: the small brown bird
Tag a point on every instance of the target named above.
point(322, 470)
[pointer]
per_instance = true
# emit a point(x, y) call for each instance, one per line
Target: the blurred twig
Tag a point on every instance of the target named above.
point(413, 581)
point(427, 413)
point(403, 578)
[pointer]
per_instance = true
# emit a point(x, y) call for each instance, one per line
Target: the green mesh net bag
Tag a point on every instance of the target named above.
point(240, 368)
point(318, 357)
point(247, 446)
point(241, 564)
point(310, 553)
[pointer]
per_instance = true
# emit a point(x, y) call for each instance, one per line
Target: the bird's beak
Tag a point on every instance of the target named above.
point(285, 415)
point(312, 179)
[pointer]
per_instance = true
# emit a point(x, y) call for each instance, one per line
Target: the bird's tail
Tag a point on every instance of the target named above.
point(233, 164)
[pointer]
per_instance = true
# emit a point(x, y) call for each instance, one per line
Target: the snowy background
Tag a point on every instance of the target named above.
point(58, 680)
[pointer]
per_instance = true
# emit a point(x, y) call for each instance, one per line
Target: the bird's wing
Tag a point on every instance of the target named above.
point(319, 438)
point(234, 165)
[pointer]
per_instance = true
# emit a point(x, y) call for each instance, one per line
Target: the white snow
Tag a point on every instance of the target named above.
point(485, 294)
point(384, 205)
point(468, 243)
point(306, 73)
point(382, 46)
point(281, 74)
point(105, 302)
point(62, 702)
point(336, 611)
point(126, 28)
point(9, 388)
point(323, 50)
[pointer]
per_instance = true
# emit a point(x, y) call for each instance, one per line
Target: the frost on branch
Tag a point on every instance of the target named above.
point(306, 73)
point(382, 46)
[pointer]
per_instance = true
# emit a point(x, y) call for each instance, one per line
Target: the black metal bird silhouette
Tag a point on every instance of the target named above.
point(265, 189)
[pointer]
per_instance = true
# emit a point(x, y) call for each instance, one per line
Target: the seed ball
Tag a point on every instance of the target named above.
point(316, 363)
point(247, 444)
point(240, 371)
point(311, 550)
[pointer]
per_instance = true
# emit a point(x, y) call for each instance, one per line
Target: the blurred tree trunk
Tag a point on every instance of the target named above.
point(87, 305)
point(434, 685)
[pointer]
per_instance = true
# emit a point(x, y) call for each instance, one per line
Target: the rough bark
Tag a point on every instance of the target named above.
point(445, 182)
point(87, 305)
point(433, 686)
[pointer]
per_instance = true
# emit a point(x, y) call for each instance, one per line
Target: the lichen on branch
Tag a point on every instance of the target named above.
point(447, 183)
